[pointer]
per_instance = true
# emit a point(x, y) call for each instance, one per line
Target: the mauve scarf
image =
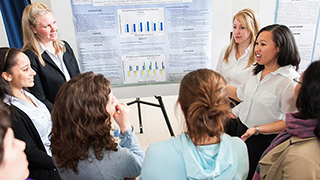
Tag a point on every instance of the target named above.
point(303, 128)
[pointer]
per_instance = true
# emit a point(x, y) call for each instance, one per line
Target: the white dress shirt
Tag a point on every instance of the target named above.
point(38, 113)
point(234, 72)
point(58, 60)
point(268, 100)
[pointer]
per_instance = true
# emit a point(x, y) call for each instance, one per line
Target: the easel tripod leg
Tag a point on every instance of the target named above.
point(165, 114)
point(139, 114)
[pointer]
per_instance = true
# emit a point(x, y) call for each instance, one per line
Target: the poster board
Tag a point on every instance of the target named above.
point(143, 41)
point(302, 17)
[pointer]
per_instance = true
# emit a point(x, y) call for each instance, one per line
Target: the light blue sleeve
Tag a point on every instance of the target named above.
point(243, 161)
point(134, 154)
point(162, 162)
point(130, 141)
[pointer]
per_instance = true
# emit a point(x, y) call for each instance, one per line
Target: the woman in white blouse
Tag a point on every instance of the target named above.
point(268, 94)
point(236, 59)
point(31, 120)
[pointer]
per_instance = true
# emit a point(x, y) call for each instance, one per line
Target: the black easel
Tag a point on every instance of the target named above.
point(160, 105)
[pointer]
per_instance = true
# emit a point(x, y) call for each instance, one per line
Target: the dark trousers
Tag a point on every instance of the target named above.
point(256, 146)
point(231, 125)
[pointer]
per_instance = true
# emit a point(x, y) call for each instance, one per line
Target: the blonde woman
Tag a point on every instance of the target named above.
point(236, 59)
point(53, 60)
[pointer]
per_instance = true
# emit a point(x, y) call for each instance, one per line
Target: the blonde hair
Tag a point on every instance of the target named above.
point(30, 39)
point(250, 21)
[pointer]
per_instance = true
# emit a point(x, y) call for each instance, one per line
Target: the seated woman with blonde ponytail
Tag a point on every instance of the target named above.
point(203, 151)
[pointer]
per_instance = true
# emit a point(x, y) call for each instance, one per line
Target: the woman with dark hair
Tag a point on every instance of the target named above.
point(81, 142)
point(295, 152)
point(203, 151)
point(268, 94)
point(31, 120)
point(51, 58)
point(13, 161)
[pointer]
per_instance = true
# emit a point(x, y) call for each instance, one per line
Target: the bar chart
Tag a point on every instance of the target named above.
point(139, 22)
point(144, 27)
point(144, 68)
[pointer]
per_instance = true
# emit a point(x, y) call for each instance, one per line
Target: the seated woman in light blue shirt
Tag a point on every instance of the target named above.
point(31, 120)
point(203, 151)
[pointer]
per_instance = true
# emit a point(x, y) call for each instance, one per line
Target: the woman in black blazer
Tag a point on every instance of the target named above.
point(31, 120)
point(40, 164)
point(52, 59)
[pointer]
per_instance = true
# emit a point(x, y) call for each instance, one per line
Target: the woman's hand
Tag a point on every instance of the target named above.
point(274, 127)
point(121, 116)
point(250, 131)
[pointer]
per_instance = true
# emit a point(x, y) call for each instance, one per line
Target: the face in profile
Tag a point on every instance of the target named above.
point(240, 32)
point(111, 105)
point(21, 74)
point(265, 49)
point(14, 165)
point(46, 28)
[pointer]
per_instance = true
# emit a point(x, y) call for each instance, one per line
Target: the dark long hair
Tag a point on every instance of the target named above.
point(308, 101)
point(5, 123)
point(80, 120)
point(283, 38)
point(7, 61)
point(205, 104)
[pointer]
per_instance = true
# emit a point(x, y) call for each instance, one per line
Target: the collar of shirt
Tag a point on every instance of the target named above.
point(58, 60)
point(8, 99)
point(248, 49)
point(284, 71)
point(246, 52)
point(44, 49)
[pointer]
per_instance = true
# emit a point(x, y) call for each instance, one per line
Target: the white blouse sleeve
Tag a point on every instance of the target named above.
point(219, 65)
point(287, 100)
point(240, 91)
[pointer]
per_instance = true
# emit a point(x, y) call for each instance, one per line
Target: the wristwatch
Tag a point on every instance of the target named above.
point(257, 130)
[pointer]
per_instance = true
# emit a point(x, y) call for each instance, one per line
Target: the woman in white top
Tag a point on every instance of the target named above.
point(268, 94)
point(236, 58)
point(31, 120)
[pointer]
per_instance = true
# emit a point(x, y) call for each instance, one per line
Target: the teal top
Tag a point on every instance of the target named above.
point(179, 158)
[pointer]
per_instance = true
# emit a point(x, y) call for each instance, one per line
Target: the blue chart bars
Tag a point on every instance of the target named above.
point(144, 27)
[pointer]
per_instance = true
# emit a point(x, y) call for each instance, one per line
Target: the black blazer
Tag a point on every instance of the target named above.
point(40, 163)
point(50, 78)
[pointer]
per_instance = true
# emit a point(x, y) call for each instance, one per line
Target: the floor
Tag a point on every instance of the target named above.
point(154, 125)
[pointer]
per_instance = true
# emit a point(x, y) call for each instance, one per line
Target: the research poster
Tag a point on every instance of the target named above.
point(302, 17)
point(143, 41)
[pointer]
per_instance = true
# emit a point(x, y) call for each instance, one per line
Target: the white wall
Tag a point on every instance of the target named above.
point(222, 18)
point(264, 8)
point(3, 35)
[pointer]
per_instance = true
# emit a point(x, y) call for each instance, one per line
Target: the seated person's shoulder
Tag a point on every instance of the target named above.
point(305, 147)
point(233, 141)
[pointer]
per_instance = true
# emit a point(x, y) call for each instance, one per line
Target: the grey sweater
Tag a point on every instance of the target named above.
point(124, 163)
